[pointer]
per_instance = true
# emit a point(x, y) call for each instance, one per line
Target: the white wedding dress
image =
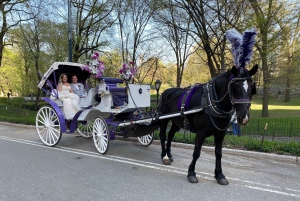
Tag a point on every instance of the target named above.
point(70, 102)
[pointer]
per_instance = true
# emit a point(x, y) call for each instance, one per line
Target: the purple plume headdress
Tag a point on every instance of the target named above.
point(242, 46)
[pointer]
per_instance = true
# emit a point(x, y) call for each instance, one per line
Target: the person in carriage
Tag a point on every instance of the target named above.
point(78, 88)
point(69, 99)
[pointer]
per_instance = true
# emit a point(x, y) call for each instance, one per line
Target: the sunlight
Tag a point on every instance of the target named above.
point(275, 107)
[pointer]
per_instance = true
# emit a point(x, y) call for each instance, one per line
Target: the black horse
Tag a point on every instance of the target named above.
point(228, 94)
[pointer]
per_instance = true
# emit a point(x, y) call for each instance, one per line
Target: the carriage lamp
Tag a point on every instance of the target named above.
point(157, 87)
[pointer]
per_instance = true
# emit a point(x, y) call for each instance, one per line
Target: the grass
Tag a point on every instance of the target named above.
point(277, 108)
point(15, 114)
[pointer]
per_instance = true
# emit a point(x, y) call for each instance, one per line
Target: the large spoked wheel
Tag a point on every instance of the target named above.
point(101, 135)
point(85, 129)
point(48, 126)
point(146, 140)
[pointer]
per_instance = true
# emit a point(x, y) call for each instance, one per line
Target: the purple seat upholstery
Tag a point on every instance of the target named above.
point(117, 89)
point(111, 80)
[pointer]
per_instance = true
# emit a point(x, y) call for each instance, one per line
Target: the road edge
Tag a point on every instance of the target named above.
point(191, 146)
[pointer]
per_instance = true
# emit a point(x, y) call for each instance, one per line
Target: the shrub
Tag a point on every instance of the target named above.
point(244, 143)
point(4, 101)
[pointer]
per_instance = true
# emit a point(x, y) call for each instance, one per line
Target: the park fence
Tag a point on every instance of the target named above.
point(273, 129)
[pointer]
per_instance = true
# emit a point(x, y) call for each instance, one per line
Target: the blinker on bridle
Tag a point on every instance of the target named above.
point(240, 77)
point(230, 93)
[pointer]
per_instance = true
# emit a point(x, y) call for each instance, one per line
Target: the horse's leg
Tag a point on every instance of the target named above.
point(196, 154)
point(174, 128)
point(162, 136)
point(218, 153)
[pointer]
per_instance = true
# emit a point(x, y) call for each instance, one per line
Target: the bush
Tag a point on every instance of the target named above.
point(4, 101)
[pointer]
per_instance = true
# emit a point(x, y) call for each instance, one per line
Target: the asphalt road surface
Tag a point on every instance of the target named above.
point(74, 170)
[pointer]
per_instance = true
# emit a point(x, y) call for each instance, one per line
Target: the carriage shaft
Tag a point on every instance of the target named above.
point(149, 120)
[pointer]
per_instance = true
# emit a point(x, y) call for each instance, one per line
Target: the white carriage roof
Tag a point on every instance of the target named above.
point(54, 67)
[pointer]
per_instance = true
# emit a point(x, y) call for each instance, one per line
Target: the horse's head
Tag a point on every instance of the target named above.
point(241, 89)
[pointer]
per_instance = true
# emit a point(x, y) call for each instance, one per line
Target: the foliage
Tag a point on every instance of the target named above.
point(11, 72)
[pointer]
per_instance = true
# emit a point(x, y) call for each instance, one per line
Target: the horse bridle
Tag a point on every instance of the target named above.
point(230, 93)
point(212, 109)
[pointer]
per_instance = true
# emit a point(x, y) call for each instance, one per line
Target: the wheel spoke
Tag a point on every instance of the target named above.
point(53, 133)
point(43, 116)
point(85, 130)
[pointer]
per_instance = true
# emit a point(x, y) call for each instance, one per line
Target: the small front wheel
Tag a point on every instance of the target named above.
point(48, 126)
point(101, 135)
point(146, 140)
point(85, 130)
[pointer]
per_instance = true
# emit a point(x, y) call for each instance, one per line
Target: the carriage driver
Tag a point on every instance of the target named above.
point(78, 88)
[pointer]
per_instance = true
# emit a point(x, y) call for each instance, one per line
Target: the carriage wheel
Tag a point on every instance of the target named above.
point(101, 135)
point(85, 130)
point(48, 126)
point(146, 140)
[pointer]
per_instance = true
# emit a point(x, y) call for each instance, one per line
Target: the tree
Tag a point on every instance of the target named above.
point(11, 72)
point(54, 36)
point(133, 17)
point(289, 21)
point(264, 13)
point(175, 28)
point(210, 20)
point(12, 13)
point(92, 21)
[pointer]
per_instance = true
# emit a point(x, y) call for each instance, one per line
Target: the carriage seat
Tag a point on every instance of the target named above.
point(89, 100)
point(119, 96)
point(110, 81)
point(54, 97)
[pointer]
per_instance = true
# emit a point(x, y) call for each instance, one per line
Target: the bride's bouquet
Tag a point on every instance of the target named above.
point(95, 66)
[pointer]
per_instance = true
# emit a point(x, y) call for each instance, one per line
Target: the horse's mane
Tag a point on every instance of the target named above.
point(225, 75)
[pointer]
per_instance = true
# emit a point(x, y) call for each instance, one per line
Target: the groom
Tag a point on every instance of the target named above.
point(78, 88)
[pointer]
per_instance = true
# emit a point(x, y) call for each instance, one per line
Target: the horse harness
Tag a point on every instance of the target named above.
point(210, 103)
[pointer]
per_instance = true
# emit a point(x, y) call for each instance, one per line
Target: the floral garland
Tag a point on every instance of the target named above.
point(95, 66)
point(128, 71)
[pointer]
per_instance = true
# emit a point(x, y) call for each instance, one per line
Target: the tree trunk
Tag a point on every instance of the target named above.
point(288, 87)
point(266, 79)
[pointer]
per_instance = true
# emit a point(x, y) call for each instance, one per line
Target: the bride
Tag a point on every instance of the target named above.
point(69, 99)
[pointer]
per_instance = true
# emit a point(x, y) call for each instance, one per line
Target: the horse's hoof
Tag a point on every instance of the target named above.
point(192, 179)
point(171, 159)
point(166, 161)
point(222, 181)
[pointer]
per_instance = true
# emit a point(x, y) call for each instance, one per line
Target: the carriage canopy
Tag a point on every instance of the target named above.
point(68, 68)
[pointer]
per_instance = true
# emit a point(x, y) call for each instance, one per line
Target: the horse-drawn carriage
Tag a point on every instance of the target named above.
point(117, 113)
point(205, 109)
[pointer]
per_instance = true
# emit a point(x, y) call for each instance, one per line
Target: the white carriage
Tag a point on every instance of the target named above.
point(102, 119)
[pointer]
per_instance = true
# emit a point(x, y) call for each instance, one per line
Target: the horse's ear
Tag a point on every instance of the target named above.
point(234, 71)
point(253, 70)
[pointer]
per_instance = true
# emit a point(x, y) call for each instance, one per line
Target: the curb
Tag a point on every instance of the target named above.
point(15, 124)
point(294, 159)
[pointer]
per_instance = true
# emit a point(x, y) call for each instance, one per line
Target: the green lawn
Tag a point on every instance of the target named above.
point(277, 108)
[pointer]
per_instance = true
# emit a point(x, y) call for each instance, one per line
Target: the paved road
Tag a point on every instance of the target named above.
point(74, 170)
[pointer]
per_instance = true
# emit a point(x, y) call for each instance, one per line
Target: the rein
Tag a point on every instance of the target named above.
point(212, 105)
